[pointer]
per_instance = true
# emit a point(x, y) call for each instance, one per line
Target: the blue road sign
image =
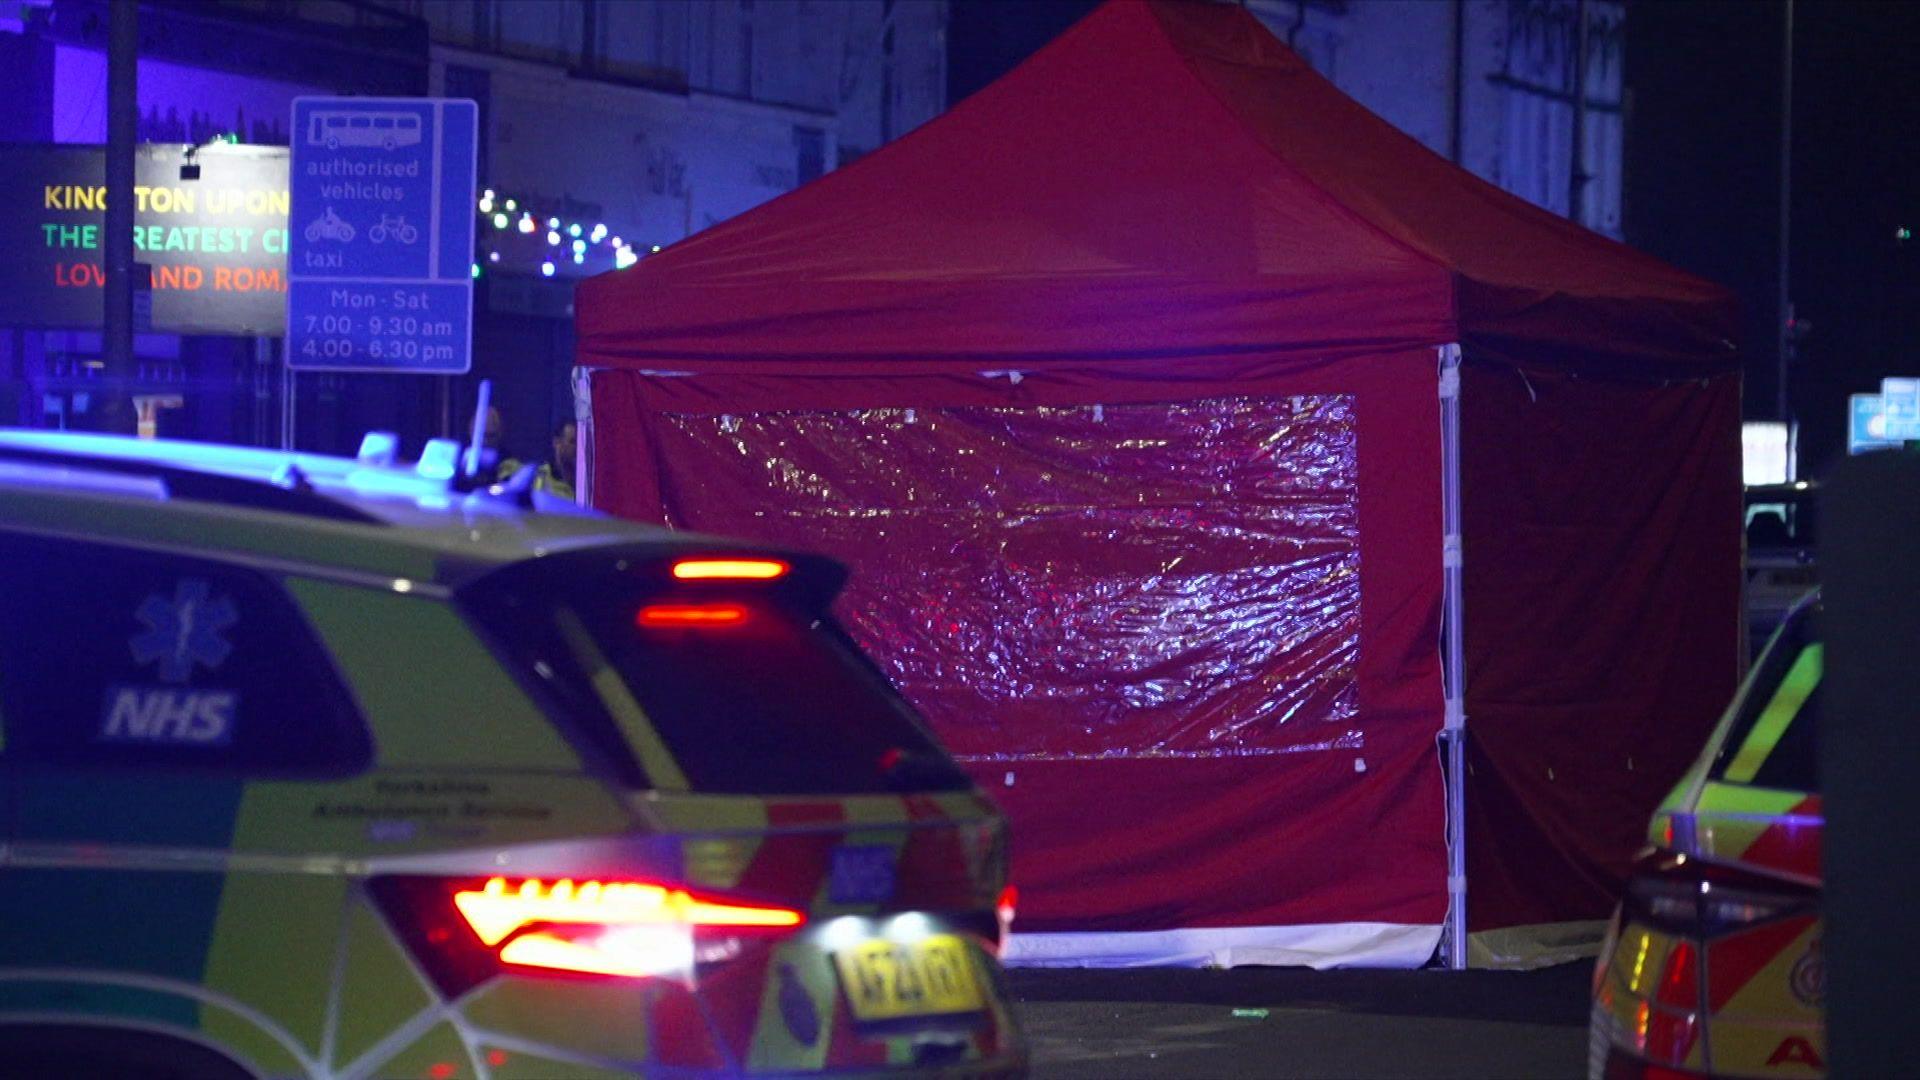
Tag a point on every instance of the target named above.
point(1900, 404)
point(380, 235)
point(1867, 425)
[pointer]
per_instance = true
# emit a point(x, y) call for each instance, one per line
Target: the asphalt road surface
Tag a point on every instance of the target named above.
point(1184, 1023)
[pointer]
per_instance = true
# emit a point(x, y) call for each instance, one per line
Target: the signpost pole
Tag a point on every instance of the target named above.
point(289, 384)
point(123, 111)
point(1784, 313)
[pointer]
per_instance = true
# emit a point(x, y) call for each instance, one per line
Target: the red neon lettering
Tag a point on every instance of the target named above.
point(79, 275)
point(178, 277)
point(247, 279)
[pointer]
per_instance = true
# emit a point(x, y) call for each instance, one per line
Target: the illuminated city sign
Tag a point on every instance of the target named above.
point(380, 257)
point(216, 244)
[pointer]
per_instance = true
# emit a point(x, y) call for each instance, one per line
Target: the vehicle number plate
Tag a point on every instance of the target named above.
point(890, 980)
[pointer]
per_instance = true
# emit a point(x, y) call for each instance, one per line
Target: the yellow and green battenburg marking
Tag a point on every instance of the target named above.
point(1802, 679)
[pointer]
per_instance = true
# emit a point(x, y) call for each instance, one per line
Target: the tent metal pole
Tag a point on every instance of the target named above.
point(1453, 734)
point(582, 381)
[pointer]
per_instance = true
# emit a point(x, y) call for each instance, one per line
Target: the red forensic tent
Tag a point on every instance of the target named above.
point(1132, 389)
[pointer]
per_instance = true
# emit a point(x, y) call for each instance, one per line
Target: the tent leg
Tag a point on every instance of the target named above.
point(582, 382)
point(1453, 735)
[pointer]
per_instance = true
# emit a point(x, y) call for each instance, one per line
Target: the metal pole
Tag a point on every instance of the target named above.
point(1784, 316)
point(1577, 169)
point(123, 113)
point(289, 406)
point(1453, 734)
point(1454, 148)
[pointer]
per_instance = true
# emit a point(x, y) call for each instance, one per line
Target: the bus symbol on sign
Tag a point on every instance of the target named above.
point(334, 129)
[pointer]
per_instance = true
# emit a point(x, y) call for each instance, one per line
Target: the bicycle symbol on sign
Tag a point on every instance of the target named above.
point(394, 227)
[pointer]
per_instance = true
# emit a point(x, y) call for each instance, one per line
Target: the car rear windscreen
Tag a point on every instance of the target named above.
point(749, 692)
point(1774, 741)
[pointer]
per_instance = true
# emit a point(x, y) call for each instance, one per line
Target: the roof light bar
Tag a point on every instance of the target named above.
point(730, 569)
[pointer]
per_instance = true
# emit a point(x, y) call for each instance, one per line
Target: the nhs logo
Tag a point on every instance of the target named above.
point(179, 634)
point(168, 715)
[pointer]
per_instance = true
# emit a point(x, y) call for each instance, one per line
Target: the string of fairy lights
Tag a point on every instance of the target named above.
point(565, 240)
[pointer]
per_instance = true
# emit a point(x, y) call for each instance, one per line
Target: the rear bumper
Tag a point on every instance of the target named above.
point(1004, 1067)
point(1616, 1065)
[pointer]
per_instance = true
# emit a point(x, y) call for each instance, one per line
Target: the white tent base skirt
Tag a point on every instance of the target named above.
point(1327, 945)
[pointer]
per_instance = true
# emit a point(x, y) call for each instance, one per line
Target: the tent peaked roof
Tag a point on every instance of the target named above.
point(1165, 180)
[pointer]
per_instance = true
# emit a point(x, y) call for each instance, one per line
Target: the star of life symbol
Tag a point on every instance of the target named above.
point(184, 631)
point(1808, 979)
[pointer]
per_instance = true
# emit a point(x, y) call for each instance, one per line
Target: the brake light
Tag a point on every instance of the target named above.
point(496, 911)
point(684, 615)
point(1668, 1032)
point(1680, 983)
point(730, 569)
point(634, 929)
point(632, 952)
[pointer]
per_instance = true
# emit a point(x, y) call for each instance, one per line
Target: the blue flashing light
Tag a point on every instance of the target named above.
point(574, 229)
point(546, 269)
point(379, 448)
point(245, 462)
point(230, 460)
point(437, 459)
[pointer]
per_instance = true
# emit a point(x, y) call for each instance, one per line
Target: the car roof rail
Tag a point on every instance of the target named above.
point(287, 489)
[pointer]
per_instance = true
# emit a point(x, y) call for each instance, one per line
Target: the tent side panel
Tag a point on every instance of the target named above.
point(1144, 844)
point(1602, 559)
point(1190, 643)
point(625, 478)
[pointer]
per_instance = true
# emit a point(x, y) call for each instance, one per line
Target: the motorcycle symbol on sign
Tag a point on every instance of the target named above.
point(393, 226)
point(329, 226)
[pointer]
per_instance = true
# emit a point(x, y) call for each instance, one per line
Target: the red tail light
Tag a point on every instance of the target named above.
point(629, 929)
point(730, 569)
point(1003, 910)
point(496, 911)
point(1670, 1031)
point(658, 616)
point(1680, 982)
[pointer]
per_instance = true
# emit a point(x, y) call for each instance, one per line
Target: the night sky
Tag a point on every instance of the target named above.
point(1703, 184)
point(1702, 171)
